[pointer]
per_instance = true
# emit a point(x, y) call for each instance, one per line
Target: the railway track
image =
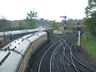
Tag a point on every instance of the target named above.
point(67, 61)
point(59, 57)
point(45, 60)
point(56, 58)
point(44, 65)
point(77, 65)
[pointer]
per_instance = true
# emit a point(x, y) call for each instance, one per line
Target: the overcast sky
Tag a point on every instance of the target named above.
point(48, 9)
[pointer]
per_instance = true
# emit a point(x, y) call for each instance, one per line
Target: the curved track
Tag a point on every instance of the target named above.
point(44, 65)
point(68, 62)
point(59, 58)
point(45, 60)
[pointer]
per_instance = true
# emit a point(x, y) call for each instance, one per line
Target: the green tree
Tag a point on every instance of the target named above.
point(4, 24)
point(55, 25)
point(91, 8)
point(30, 19)
point(90, 20)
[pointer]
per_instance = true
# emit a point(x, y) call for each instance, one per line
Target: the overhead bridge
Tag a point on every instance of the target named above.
point(73, 28)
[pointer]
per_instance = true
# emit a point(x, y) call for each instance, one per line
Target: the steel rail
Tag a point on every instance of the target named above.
point(70, 61)
point(53, 55)
point(77, 59)
point(74, 66)
point(63, 64)
point(64, 44)
point(45, 54)
point(81, 63)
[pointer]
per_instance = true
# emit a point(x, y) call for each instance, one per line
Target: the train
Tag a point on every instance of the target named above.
point(14, 57)
point(9, 35)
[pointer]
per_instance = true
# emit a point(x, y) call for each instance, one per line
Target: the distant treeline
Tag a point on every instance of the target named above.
point(32, 22)
point(7, 25)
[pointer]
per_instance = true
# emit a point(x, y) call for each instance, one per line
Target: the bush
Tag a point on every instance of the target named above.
point(90, 25)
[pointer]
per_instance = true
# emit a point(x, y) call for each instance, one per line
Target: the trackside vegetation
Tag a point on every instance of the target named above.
point(89, 40)
point(89, 43)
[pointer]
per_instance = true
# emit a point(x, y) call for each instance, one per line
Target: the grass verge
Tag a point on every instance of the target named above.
point(89, 43)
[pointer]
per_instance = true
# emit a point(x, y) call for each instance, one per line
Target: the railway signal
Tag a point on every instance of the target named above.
point(78, 37)
point(63, 17)
point(76, 23)
point(79, 32)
